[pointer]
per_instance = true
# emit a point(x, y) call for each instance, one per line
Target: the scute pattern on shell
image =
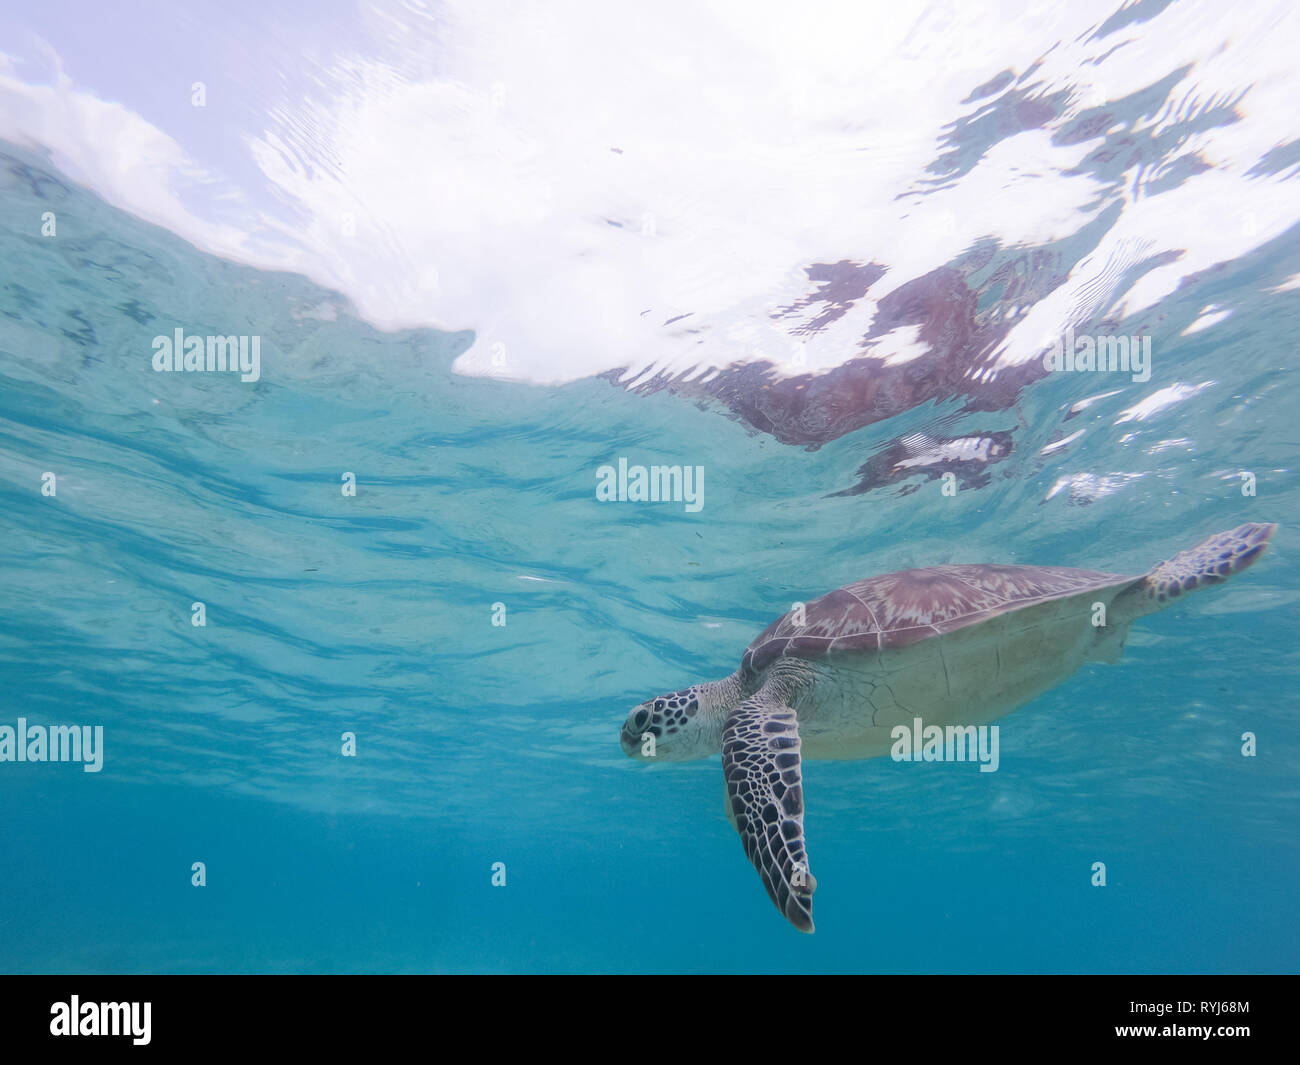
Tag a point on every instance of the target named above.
point(898, 609)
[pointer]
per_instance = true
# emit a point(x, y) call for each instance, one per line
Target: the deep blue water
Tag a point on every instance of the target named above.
point(480, 744)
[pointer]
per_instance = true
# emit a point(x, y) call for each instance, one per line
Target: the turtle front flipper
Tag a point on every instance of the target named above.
point(760, 758)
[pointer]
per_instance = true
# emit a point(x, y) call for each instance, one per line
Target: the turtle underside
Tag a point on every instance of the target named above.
point(948, 644)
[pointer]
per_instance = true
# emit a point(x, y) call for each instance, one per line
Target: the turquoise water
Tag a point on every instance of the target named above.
point(479, 744)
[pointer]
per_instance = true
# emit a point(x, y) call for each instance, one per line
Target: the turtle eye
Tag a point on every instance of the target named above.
point(640, 718)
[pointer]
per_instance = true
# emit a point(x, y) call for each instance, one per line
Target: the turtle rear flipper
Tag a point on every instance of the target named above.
point(1209, 562)
point(761, 763)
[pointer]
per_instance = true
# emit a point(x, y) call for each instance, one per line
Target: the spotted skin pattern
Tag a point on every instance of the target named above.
point(667, 714)
point(760, 758)
point(1210, 562)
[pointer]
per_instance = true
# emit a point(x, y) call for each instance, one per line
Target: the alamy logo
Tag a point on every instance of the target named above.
point(53, 743)
point(195, 354)
point(102, 1018)
point(1100, 354)
point(655, 484)
point(951, 743)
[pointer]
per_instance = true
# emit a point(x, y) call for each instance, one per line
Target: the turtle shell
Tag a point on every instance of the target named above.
point(898, 609)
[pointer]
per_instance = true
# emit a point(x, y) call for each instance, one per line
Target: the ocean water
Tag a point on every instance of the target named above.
point(486, 751)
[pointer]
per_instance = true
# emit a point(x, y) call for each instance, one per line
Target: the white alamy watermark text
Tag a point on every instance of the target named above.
point(1099, 354)
point(946, 743)
point(651, 484)
point(53, 743)
point(102, 1018)
point(195, 354)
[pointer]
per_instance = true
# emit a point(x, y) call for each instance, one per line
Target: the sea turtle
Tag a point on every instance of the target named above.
point(952, 645)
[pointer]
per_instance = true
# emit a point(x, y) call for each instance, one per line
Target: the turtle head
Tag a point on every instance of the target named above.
point(665, 727)
point(682, 724)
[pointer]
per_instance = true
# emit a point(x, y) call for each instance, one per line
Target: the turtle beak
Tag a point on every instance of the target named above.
point(630, 741)
point(633, 727)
